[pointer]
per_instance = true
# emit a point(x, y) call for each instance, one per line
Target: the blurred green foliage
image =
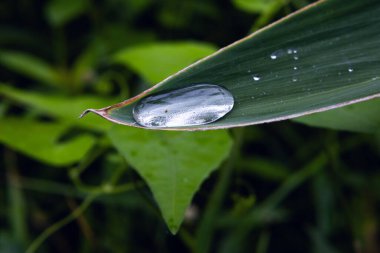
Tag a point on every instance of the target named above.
point(66, 187)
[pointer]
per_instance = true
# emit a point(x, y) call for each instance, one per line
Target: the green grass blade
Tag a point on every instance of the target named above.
point(322, 57)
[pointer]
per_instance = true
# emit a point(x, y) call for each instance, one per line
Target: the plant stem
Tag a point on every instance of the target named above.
point(58, 225)
point(206, 229)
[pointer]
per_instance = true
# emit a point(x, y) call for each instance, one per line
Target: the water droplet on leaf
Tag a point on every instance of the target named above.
point(256, 77)
point(190, 106)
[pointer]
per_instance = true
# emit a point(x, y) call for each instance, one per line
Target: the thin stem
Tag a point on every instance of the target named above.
point(58, 225)
point(207, 226)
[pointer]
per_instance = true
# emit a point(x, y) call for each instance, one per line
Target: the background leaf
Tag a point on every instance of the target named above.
point(321, 58)
point(30, 66)
point(159, 60)
point(41, 141)
point(162, 159)
point(59, 12)
point(63, 107)
point(361, 117)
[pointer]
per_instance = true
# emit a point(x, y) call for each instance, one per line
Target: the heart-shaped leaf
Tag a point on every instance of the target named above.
point(163, 159)
point(322, 57)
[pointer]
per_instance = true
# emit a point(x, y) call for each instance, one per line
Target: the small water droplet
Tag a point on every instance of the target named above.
point(253, 97)
point(249, 71)
point(290, 51)
point(295, 57)
point(295, 51)
point(190, 106)
point(350, 70)
point(295, 67)
point(339, 73)
point(275, 55)
point(256, 77)
point(294, 79)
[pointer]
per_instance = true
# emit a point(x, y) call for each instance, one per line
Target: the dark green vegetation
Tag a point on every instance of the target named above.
point(70, 185)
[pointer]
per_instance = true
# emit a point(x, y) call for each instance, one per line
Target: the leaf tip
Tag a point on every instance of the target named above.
point(84, 113)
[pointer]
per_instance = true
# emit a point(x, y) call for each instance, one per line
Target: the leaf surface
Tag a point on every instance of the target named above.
point(40, 140)
point(157, 61)
point(174, 164)
point(362, 117)
point(322, 57)
point(59, 106)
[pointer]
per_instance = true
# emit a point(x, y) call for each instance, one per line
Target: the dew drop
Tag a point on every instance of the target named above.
point(294, 79)
point(295, 57)
point(350, 70)
point(190, 106)
point(290, 51)
point(295, 67)
point(256, 77)
point(273, 56)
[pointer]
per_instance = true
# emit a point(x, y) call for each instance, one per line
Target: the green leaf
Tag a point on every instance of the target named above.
point(60, 12)
point(323, 57)
point(257, 6)
point(30, 66)
point(157, 61)
point(62, 107)
point(362, 118)
point(174, 164)
point(40, 140)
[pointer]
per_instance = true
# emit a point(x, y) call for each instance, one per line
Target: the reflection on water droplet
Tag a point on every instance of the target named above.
point(273, 56)
point(295, 67)
point(290, 51)
point(190, 106)
point(295, 57)
point(295, 51)
point(256, 77)
point(350, 70)
point(294, 79)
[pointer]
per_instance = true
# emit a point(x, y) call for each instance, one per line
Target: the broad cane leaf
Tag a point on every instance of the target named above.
point(322, 57)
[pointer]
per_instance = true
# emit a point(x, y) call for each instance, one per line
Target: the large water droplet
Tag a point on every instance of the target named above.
point(190, 106)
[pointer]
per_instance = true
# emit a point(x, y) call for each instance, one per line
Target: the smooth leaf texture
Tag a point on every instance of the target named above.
point(323, 57)
point(59, 12)
point(30, 66)
point(159, 60)
point(362, 117)
point(174, 164)
point(40, 141)
point(257, 6)
point(62, 107)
